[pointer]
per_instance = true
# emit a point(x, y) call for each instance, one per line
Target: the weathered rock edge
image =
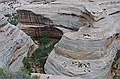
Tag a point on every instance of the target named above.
point(14, 45)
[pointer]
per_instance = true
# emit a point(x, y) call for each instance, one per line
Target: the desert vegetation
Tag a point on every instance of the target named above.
point(115, 70)
point(35, 62)
point(12, 18)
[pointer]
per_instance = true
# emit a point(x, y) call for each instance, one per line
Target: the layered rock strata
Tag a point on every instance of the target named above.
point(87, 53)
point(9, 6)
point(14, 45)
point(37, 31)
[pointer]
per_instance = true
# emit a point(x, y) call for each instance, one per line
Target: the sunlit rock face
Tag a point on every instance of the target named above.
point(87, 50)
point(9, 6)
point(14, 45)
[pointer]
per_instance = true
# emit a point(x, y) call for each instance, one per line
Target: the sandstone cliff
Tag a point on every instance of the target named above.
point(87, 50)
point(14, 45)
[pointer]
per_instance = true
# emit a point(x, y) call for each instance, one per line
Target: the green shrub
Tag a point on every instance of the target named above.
point(15, 17)
point(12, 18)
point(116, 77)
point(27, 66)
point(32, 38)
point(7, 15)
point(40, 55)
point(13, 22)
point(45, 40)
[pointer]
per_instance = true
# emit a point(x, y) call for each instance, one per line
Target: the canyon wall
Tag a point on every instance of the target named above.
point(33, 25)
point(14, 45)
point(87, 50)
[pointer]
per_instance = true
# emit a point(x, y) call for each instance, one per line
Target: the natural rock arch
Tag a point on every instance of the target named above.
point(88, 52)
